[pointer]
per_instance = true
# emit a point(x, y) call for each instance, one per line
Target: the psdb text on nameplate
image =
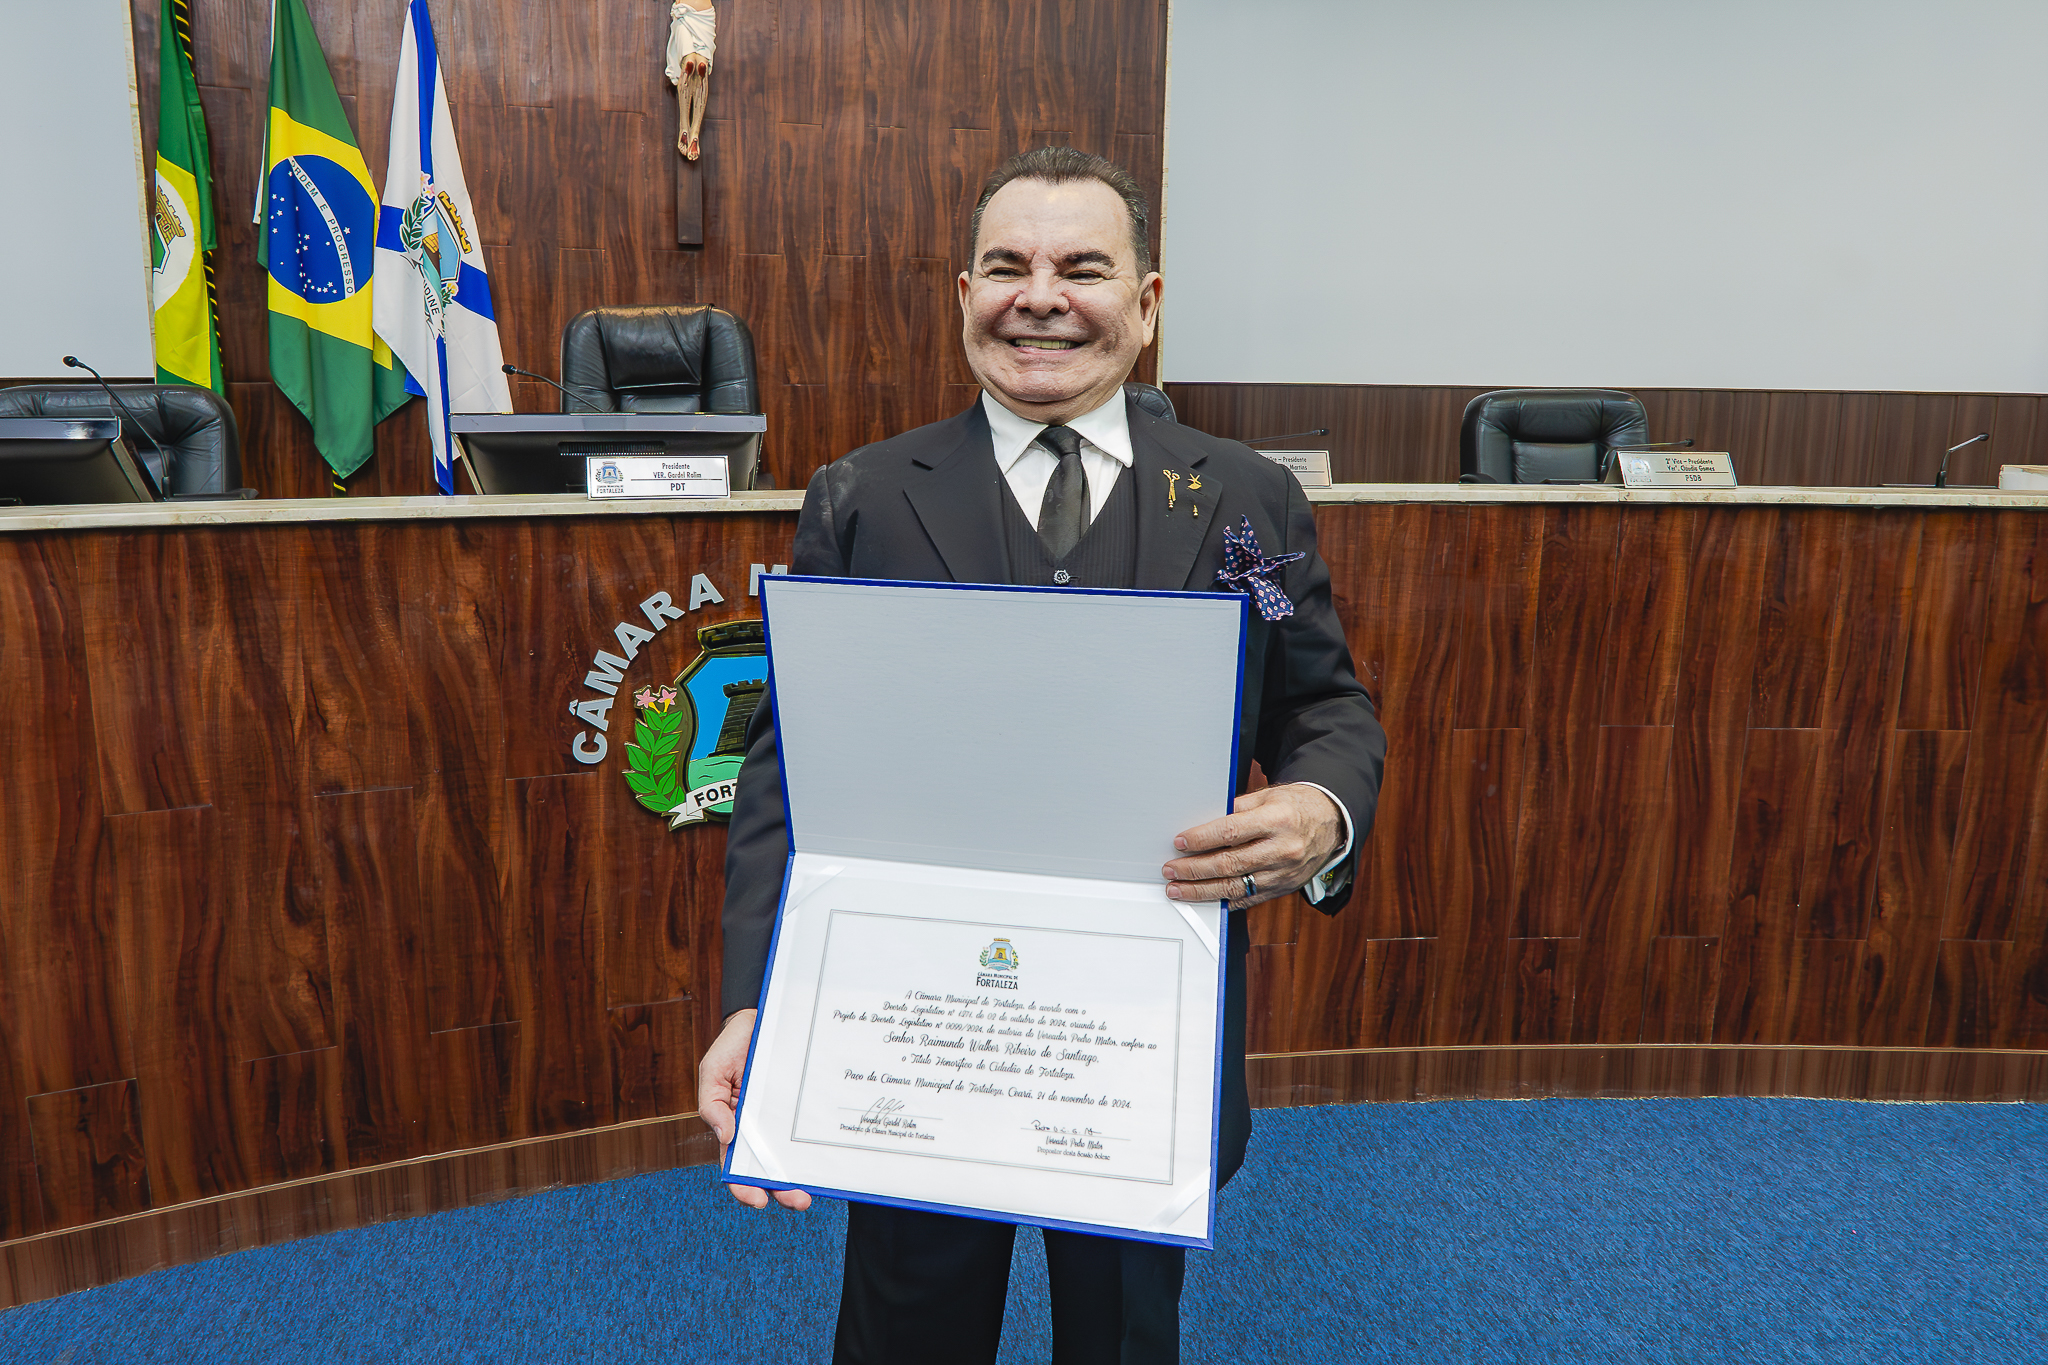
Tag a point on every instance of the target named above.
point(657, 476)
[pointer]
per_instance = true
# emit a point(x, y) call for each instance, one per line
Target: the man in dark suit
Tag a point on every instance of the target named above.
point(1053, 477)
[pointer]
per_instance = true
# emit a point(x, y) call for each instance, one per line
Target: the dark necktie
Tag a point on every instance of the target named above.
point(1063, 516)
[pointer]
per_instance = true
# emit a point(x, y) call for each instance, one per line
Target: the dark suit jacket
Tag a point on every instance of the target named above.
point(926, 506)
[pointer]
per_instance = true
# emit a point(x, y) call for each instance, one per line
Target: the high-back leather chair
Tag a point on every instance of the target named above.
point(1530, 435)
point(1152, 399)
point(194, 427)
point(660, 358)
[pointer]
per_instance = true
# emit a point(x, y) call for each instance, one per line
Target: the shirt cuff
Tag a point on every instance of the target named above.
point(1331, 879)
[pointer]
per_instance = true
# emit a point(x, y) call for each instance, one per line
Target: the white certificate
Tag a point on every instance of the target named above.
point(1016, 1022)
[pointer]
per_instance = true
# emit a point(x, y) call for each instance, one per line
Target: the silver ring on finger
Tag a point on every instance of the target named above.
point(1251, 888)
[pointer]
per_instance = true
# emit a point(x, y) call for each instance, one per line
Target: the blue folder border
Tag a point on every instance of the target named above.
point(1222, 925)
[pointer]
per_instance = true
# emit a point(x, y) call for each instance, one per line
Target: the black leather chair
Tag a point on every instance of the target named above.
point(1152, 399)
point(1530, 435)
point(194, 428)
point(660, 358)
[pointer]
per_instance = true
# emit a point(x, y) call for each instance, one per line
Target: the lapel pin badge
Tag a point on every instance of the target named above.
point(1172, 484)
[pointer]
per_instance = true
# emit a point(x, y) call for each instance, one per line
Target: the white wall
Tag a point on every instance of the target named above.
point(1808, 194)
point(74, 263)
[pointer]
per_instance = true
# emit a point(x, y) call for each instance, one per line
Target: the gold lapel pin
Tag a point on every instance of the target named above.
point(1172, 484)
point(1194, 482)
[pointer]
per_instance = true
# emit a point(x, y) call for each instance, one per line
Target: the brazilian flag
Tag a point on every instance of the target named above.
point(318, 240)
point(181, 229)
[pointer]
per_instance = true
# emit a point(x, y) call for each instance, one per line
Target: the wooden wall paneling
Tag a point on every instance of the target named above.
point(654, 1049)
point(1856, 456)
point(1537, 989)
point(291, 1124)
point(2005, 796)
point(1497, 625)
point(561, 836)
point(144, 665)
point(1679, 988)
point(1969, 1009)
point(1396, 990)
point(478, 1086)
point(1715, 679)
point(1945, 627)
point(1479, 809)
point(1822, 991)
point(88, 1153)
point(1763, 885)
point(1631, 837)
point(173, 931)
point(64, 1261)
point(1647, 628)
point(1402, 630)
point(1576, 1071)
point(353, 736)
point(366, 865)
point(1271, 1023)
point(453, 635)
point(21, 1201)
point(1859, 707)
point(1797, 621)
point(2019, 435)
point(1802, 438)
point(563, 588)
point(67, 1017)
point(1921, 807)
point(1574, 602)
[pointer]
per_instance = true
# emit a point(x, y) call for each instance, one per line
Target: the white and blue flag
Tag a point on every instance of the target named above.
point(432, 301)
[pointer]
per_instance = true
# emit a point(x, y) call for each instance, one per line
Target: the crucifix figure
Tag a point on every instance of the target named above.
point(692, 37)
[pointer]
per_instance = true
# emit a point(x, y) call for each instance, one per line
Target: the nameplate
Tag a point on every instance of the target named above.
point(1672, 469)
point(2027, 478)
point(1311, 467)
point(656, 476)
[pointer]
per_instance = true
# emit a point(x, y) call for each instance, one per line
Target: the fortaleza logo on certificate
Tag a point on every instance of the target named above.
point(999, 957)
point(690, 739)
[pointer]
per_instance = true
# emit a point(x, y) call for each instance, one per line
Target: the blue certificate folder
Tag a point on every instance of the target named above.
point(979, 999)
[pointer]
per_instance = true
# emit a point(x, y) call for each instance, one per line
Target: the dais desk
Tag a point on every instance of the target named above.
point(316, 909)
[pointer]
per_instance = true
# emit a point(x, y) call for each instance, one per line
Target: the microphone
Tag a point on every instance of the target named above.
point(1941, 479)
point(1261, 440)
point(566, 393)
point(156, 472)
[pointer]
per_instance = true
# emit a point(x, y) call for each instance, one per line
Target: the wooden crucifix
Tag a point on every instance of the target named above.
point(692, 39)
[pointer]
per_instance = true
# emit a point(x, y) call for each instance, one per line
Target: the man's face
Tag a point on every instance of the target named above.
point(1053, 309)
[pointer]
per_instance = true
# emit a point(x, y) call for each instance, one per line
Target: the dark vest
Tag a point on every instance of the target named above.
point(1107, 556)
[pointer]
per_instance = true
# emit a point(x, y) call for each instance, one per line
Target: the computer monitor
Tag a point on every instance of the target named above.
point(67, 460)
point(545, 452)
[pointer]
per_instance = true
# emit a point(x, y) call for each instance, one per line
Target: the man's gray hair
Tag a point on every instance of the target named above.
point(1057, 166)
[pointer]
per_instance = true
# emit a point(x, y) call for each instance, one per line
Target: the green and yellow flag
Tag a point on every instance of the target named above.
point(181, 219)
point(318, 240)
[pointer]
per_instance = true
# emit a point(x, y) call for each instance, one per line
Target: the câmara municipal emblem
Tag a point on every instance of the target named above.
point(1000, 956)
point(689, 739)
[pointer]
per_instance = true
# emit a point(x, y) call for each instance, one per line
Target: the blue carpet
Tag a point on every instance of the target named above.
point(1597, 1230)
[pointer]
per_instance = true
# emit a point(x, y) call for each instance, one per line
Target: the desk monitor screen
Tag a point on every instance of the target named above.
point(67, 460)
point(545, 452)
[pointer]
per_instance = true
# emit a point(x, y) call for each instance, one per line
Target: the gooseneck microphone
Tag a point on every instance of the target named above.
point(566, 393)
point(162, 467)
point(1941, 479)
point(1261, 440)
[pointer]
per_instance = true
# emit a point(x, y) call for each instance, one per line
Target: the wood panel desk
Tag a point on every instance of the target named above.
point(311, 915)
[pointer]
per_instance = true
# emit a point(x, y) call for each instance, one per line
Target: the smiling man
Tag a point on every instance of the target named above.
point(1056, 477)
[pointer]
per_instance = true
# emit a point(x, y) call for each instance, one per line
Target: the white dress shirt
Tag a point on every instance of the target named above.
point(1105, 453)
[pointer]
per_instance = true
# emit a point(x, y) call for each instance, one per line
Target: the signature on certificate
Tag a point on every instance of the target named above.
point(881, 1109)
point(1035, 1126)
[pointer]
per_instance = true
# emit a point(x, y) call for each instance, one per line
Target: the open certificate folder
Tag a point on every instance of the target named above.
point(979, 998)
